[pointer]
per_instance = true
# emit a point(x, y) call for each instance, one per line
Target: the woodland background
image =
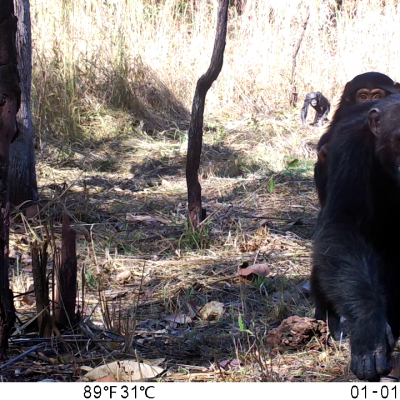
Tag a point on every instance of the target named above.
point(113, 83)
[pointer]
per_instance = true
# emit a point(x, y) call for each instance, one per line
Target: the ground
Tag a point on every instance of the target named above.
point(143, 273)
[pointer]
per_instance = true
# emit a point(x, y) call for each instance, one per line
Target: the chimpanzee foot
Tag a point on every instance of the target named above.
point(372, 364)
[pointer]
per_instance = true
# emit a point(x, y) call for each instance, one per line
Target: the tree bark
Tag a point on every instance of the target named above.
point(195, 210)
point(39, 269)
point(10, 98)
point(294, 95)
point(66, 274)
point(23, 184)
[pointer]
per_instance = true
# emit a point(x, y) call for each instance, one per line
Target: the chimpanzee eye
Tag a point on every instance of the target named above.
point(363, 97)
point(377, 96)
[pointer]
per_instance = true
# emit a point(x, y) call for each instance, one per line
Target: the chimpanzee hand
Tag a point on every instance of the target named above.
point(372, 362)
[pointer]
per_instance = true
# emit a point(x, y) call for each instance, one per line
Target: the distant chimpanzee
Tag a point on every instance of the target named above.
point(321, 106)
point(356, 254)
point(365, 87)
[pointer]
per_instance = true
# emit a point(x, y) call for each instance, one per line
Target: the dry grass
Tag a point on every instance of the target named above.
point(137, 272)
point(113, 81)
point(102, 67)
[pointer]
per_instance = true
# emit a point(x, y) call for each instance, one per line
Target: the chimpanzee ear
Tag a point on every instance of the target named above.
point(397, 86)
point(374, 120)
point(347, 90)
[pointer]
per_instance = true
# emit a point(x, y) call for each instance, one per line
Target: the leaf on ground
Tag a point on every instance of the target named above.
point(108, 378)
point(292, 163)
point(140, 218)
point(178, 318)
point(166, 183)
point(192, 308)
point(241, 325)
point(125, 371)
point(123, 276)
point(154, 362)
point(147, 219)
point(212, 310)
point(322, 356)
point(271, 186)
point(257, 269)
point(230, 364)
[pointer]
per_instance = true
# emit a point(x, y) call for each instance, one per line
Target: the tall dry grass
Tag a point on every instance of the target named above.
point(101, 67)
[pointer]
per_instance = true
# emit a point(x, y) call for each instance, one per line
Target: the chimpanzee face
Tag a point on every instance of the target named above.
point(314, 102)
point(364, 94)
point(385, 125)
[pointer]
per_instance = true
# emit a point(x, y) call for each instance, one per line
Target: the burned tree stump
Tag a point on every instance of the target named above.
point(195, 211)
point(10, 99)
point(39, 269)
point(66, 274)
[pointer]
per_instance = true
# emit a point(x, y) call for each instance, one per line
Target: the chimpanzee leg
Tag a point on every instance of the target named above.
point(319, 119)
point(324, 310)
point(324, 117)
point(347, 271)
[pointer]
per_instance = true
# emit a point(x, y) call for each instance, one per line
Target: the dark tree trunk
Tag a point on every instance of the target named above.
point(23, 184)
point(39, 269)
point(10, 97)
point(66, 274)
point(195, 211)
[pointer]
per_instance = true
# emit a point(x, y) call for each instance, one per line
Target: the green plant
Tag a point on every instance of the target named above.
point(90, 280)
point(271, 185)
point(241, 326)
point(195, 238)
point(261, 282)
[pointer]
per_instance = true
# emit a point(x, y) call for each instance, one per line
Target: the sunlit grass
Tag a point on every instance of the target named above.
point(101, 67)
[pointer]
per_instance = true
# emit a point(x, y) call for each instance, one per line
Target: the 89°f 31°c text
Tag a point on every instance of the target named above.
point(115, 392)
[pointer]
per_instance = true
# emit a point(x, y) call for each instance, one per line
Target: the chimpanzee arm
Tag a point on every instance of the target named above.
point(326, 112)
point(304, 111)
point(346, 269)
point(322, 109)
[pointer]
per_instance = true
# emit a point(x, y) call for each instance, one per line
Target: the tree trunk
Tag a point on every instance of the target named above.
point(195, 210)
point(23, 184)
point(66, 274)
point(10, 98)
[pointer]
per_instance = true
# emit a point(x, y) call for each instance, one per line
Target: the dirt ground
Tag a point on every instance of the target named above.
point(144, 275)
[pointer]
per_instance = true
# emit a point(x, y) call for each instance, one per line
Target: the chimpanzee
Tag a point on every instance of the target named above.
point(321, 106)
point(356, 253)
point(363, 88)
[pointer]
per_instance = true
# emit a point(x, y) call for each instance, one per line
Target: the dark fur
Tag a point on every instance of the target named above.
point(369, 80)
point(356, 255)
point(322, 108)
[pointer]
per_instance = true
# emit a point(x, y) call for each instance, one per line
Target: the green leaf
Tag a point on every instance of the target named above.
point(241, 326)
point(293, 163)
point(240, 321)
point(271, 186)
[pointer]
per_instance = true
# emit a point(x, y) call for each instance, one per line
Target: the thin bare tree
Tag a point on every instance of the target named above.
point(195, 211)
